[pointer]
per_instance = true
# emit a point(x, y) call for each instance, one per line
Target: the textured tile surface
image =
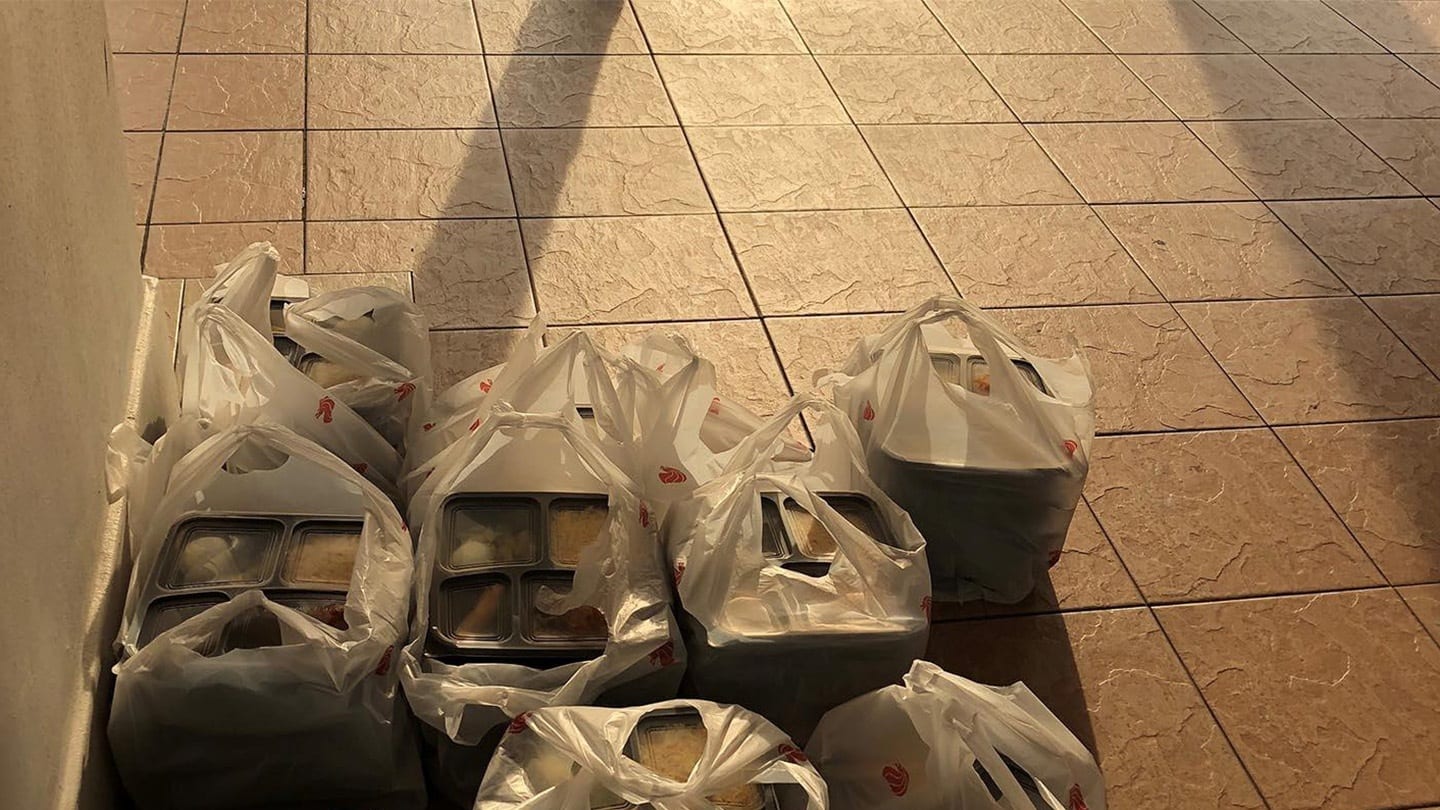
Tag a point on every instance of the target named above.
point(1266, 665)
point(1282, 160)
point(1412, 148)
point(788, 168)
point(142, 153)
point(468, 273)
point(869, 26)
point(192, 251)
point(1241, 520)
point(1015, 26)
point(377, 174)
point(1112, 678)
point(594, 172)
point(1225, 86)
point(543, 26)
point(1315, 360)
point(1381, 478)
point(1033, 255)
point(144, 26)
point(718, 26)
point(1424, 602)
point(967, 164)
point(456, 354)
point(142, 88)
point(238, 92)
point(1400, 25)
point(244, 26)
point(572, 91)
point(934, 89)
point(1155, 26)
point(1290, 26)
point(835, 261)
point(710, 90)
point(1138, 162)
point(229, 177)
point(354, 92)
point(1219, 250)
point(1376, 246)
point(1416, 320)
point(399, 282)
point(634, 269)
point(808, 345)
point(1071, 88)
point(1361, 86)
point(393, 26)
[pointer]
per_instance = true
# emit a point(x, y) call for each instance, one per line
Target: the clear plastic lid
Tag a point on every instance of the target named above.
point(222, 552)
point(166, 614)
point(815, 541)
point(671, 745)
point(475, 610)
point(979, 380)
point(324, 372)
point(772, 530)
point(499, 532)
point(575, 524)
point(949, 367)
point(323, 554)
point(583, 623)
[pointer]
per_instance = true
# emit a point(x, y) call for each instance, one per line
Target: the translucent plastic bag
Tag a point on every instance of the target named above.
point(621, 574)
point(984, 443)
point(567, 758)
point(941, 741)
point(835, 636)
point(312, 720)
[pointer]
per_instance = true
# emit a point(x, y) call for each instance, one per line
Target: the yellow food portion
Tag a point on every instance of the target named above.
point(672, 748)
point(572, 528)
point(326, 557)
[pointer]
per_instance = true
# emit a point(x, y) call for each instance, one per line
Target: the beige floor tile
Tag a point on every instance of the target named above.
point(1428, 64)
point(1219, 514)
point(142, 154)
point(869, 26)
point(814, 344)
point(1290, 26)
point(1361, 85)
point(393, 26)
point(1315, 360)
point(1155, 26)
point(542, 26)
point(1089, 575)
point(1033, 255)
point(468, 273)
point(967, 164)
point(906, 89)
point(1381, 478)
point(608, 269)
point(594, 172)
point(457, 353)
point(192, 251)
point(244, 26)
point(572, 91)
point(1376, 246)
point(1400, 25)
point(1424, 601)
point(1015, 26)
point(351, 92)
point(1412, 148)
point(1138, 162)
point(1071, 88)
point(788, 168)
point(1112, 679)
point(718, 26)
point(432, 174)
point(399, 282)
point(835, 261)
point(238, 92)
point(229, 177)
point(714, 90)
point(1222, 86)
point(1219, 250)
point(1328, 699)
point(745, 367)
point(142, 89)
point(144, 26)
point(1416, 319)
point(1283, 160)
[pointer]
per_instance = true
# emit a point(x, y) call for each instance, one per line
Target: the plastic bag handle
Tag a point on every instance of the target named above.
point(756, 450)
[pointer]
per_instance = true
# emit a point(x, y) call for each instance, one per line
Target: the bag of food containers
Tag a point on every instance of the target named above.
point(677, 755)
point(259, 633)
point(540, 582)
point(982, 441)
point(941, 742)
point(801, 584)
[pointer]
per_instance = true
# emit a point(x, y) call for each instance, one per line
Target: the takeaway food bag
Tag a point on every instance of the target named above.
point(941, 741)
point(676, 755)
point(846, 619)
point(308, 718)
point(984, 442)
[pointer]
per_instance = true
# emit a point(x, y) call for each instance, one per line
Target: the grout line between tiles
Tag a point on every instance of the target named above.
point(305, 155)
point(160, 150)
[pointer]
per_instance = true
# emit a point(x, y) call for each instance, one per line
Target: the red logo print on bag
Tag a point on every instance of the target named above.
point(1077, 798)
point(670, 475)
point(897, 778)
point(404, 390)
point(474, 426)
point(383, 667)
point(644, 517)
point(869, 413)
point(926, 605)
point(1070, 447)
point(428, 426)
point(325, 411)
point(485, 385)
point(715, 406)
point(664, 655)
point(679, 572)
point(793, 754)
point(519, 724)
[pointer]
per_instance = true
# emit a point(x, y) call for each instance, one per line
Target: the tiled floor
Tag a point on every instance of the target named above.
point(1230, 204)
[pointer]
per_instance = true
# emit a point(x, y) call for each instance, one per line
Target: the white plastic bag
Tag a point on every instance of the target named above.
point(316, 722)
point(380, 341)
point(834, 636)
point(941, 742)
point(990, 480)
point(622, 574)
point(554, 759)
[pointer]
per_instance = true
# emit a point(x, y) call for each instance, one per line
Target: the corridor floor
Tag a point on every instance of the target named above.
point(1231, 205)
